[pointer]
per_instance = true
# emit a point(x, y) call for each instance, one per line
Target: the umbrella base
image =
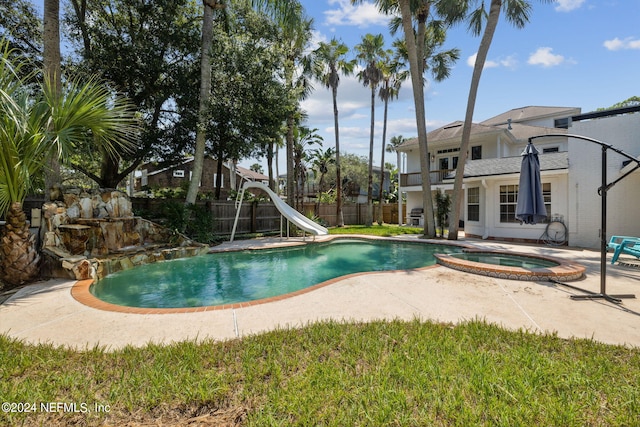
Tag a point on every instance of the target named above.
point(616, 299)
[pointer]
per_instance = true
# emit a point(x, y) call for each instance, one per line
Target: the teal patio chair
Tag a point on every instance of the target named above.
point(624, 245)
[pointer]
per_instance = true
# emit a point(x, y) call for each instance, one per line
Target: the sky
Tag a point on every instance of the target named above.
point(572, 53)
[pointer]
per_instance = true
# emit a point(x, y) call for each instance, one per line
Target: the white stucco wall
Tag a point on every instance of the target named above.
point(623, 200)
point(490, 226)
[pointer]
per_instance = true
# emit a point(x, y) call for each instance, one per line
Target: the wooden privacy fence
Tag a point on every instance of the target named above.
point(264, 217)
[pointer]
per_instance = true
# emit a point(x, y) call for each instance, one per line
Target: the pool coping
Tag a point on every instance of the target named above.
point(81, 293)
point(565, 270)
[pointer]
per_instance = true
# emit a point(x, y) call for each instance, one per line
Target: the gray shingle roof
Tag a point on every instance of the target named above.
point(511, 165)
point(529, 113)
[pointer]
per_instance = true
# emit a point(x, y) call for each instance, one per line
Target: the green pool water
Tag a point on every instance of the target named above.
point(232, 277)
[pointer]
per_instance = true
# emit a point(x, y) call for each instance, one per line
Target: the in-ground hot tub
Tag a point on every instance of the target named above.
point(509, 265)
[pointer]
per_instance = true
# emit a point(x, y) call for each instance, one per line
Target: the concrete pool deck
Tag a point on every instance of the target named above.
point(47, 312)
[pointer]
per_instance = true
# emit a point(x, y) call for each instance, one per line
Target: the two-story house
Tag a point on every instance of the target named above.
point(493, 168)
point(178, 175)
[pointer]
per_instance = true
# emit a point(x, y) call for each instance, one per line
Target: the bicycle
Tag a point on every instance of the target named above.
point(555, 233)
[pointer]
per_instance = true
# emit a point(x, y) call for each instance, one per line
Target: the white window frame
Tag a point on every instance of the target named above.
point(472, 202)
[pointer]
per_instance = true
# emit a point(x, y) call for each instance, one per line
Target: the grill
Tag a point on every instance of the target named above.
point(415, 216)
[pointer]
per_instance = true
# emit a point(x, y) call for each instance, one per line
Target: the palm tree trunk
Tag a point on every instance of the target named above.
point(277, 189)
point(339, 214)
point(19, 259)
point(369, 221)
point(483, 51)
point(205, 95)
point(384, 137)
point(52, 74)
point(399, 155)
point(270, 165)
point(291, 177)
point(417, 82)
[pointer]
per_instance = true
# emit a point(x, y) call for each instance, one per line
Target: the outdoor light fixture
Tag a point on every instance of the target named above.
point(602, 191)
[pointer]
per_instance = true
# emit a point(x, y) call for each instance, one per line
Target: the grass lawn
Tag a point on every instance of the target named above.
point(376, 374)
point(335, 374)
point(385, 230)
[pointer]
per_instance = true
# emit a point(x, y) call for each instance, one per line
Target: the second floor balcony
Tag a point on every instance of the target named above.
point(415, 179)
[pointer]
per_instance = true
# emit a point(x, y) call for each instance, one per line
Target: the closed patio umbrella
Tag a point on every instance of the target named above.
point(530, 208)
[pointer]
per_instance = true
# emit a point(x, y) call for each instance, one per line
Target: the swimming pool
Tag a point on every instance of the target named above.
point(234, 277)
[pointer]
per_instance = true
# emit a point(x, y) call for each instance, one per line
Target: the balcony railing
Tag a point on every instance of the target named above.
point(414, 178)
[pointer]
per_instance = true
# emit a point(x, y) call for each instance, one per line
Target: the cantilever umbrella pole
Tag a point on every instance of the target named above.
point(617, 299)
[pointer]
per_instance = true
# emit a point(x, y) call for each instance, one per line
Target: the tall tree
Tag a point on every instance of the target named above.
point(418, 12)
point(35, 126)
point(52, 74)
point(248, 101)
point(396, 141)
point(320, 160)
point(329, 62)
point(304, 138)
point(297, 71)
point(517, 12)
point(392, 77)
point(21, 27)
point(148, 51)
point(205, 94)
point(370, 52)
point(286, 12)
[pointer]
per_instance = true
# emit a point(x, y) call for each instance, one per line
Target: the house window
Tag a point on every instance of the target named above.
point(144, 179)
point(561, 123)
point(473, 204)
point(550, 150)
point(178, 173)
point(546, 193)
point(476, 152)
point(215, 180)
point(509, 200)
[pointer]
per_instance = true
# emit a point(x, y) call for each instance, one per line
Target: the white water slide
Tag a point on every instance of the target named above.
point(292, 215)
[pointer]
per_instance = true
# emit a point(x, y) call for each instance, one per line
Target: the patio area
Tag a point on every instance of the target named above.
point(47, 312)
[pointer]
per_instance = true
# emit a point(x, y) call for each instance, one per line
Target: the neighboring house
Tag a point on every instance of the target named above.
point(570, 172)
point(353, 191)
point(179, 175)
point(622, 131)
point(492, 170)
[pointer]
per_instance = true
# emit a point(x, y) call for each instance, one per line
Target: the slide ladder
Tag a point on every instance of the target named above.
point(292, 215)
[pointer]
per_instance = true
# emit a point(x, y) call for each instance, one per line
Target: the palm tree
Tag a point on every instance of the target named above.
point(395, 142)
point(320, 161)
point(297, 71)
point(418, 10)
point(392, 78)
point(329, 63)
point(205, 95)
point(303, 138)
point(370, 52)
point(35, 126)
point(517, 12)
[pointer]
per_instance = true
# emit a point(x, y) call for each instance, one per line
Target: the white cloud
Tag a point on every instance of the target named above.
point(544, 57)
point(617, 44)
point(568, 5)
point(362, 15)
point(508, 62)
